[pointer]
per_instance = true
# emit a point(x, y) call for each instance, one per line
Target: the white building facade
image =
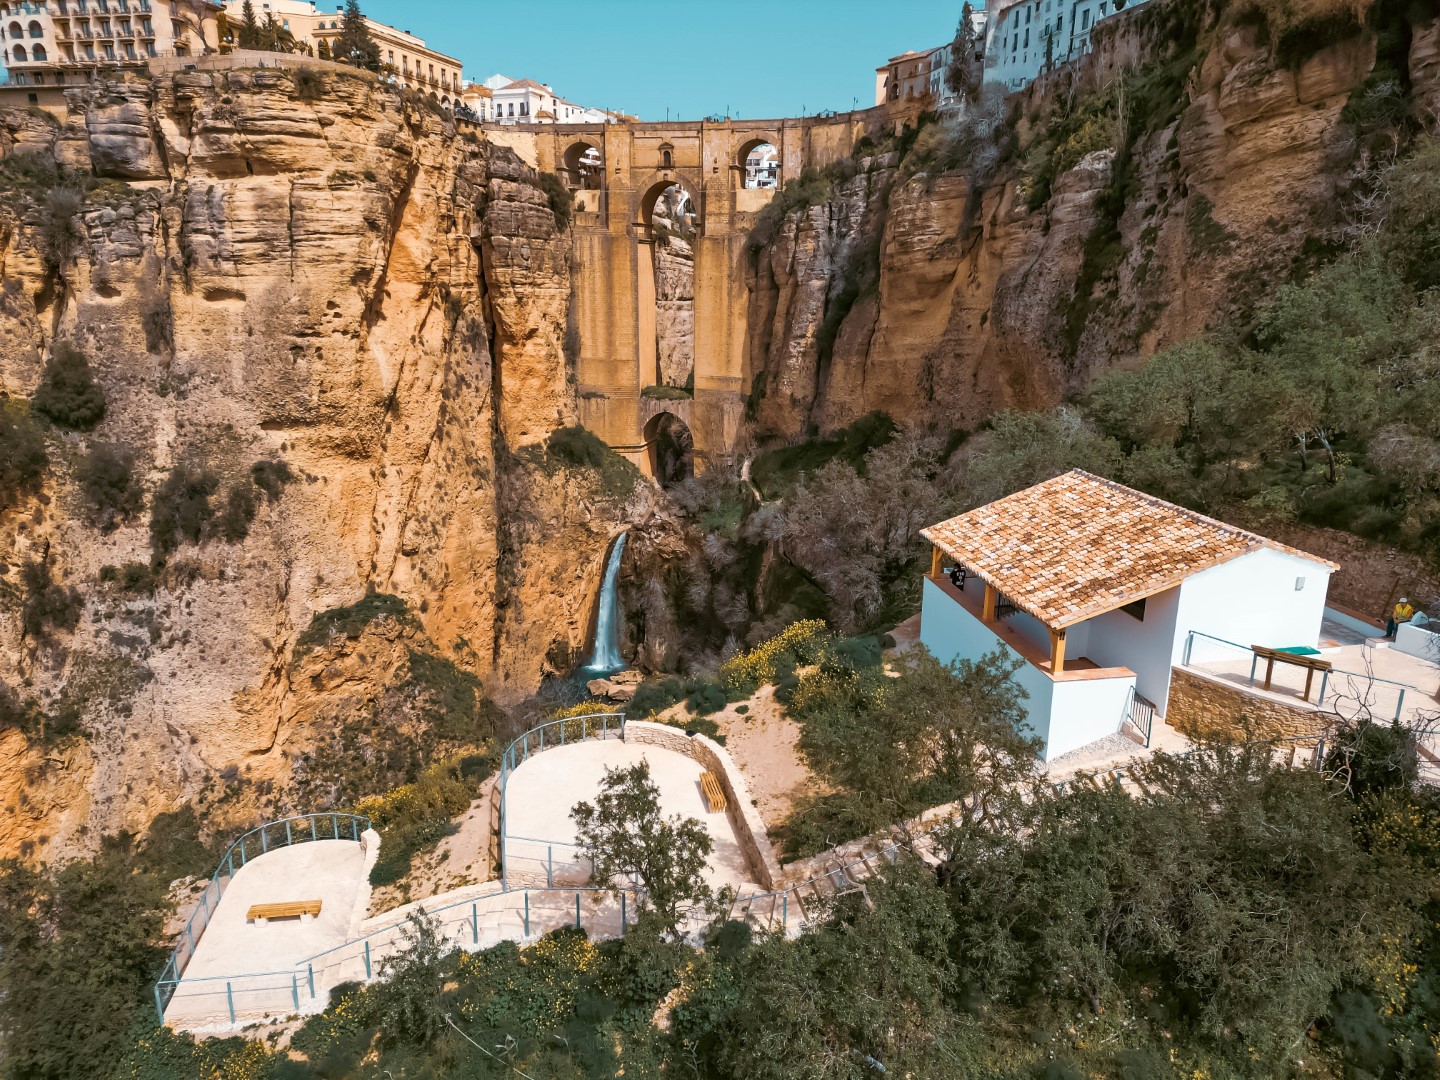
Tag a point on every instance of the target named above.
point(1027, 38)
point(64, 42)
point(525, 101)
point(1099, 592)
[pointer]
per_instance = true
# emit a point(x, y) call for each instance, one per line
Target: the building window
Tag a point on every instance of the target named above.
point(1135, 609)
point(665, 158)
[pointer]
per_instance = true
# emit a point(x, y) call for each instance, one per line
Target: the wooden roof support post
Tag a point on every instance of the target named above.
point(934, 561)
point(1057, 651)
point(987, 613)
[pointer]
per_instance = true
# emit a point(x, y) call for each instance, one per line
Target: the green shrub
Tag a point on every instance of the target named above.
point(666, 393)
point(22, 453)
point(133, 578)
point(60, 227)
point(349, 621)
point(181, 512)
point(578, 448)
point(309, 84)
point(656, 696)
point(270, 477)
point(68, 395)
point(705, 697)
point(852, 654)
point(561, 201)
point(48, 604)
point(107, 480)
point(239, 511)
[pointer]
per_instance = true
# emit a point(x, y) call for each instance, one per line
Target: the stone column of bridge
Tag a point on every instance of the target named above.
point(614, 278)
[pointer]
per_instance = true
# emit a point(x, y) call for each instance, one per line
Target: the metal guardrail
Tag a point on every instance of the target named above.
point(273, 834)
point(553, 733)
point(1358, 684)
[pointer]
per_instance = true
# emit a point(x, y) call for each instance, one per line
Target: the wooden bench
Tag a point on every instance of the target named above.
point(714, 793)
point(1311, 664)
point(293, 909)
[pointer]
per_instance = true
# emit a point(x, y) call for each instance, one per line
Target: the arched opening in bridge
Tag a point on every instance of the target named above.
point(759, 163)
point(671, 218)
point(584, 167)
point(671, 449)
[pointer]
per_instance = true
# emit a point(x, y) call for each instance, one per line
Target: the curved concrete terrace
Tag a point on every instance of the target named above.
point(541, 792)
point(331, 871)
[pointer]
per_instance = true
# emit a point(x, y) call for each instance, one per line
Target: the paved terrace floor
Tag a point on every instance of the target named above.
point(542, 791)
point(330, 871)
point(1350, 689)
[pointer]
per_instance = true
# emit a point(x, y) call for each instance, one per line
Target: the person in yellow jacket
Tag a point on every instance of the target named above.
point(1402, 614)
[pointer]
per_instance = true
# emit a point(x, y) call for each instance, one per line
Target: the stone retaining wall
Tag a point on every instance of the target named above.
point(1202, 707)
point(744, 817)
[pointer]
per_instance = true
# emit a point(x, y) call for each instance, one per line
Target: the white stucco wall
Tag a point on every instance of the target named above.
point(1064, 715)
point(1252, 600)
point(1419, 641)
point(1083, 710)
point(952, 633)
point(1116, 639)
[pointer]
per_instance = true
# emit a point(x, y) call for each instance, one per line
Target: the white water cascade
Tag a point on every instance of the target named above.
point(606, 659)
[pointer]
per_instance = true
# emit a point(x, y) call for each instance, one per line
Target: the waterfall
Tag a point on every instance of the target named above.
point(606, 658)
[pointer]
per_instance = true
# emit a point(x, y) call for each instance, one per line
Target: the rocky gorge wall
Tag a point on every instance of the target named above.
point(304, 268)
point(979, 302)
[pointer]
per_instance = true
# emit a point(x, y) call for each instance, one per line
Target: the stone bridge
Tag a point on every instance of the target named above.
point(618, 172)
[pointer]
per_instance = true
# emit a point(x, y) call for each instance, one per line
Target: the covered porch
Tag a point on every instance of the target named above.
point(1072, 700)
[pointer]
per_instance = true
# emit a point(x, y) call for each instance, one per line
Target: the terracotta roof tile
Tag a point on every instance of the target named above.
point(1076, 546)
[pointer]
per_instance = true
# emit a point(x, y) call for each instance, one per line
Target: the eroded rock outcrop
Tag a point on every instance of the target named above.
point(342, 282)
point(982, 303)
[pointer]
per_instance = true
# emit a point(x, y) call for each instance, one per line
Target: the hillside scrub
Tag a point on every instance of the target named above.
point(1322, 412)
point(22, 453)
point(1063, 937)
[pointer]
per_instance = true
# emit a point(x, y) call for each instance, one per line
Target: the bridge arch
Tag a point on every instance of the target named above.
point(764, 174)
point(584, 165)
point(670, 449)
point(645, 206)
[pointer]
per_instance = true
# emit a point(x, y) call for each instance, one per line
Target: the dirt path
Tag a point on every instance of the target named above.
point(764, 744)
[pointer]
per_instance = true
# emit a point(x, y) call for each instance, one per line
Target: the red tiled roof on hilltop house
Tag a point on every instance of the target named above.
point(1076, 546)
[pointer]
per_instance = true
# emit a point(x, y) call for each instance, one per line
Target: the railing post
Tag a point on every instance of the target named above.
point(1320, 755)
point(159, 1008)
point(230, 1000)
point(527, 913)
point(354, 827)
point(475, 924)
point(549, 866)
point(295, 990)
point(577, 911)
point(622, 914)
point(785, 911)
point(1324, 682)
point(1400, 705)
point(1189, 643)
point(367, 959)
point(230, 862)
point(335, 824)
point(1254, 659)
point(264, 841)
point(542, 736)
point(310, 974)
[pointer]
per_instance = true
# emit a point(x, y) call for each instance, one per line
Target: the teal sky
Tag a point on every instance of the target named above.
point(761, 59)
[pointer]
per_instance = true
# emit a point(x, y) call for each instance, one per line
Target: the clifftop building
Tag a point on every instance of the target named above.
point(525, 101)
point(1027, 38)
point(60, 42)
point(408, 60)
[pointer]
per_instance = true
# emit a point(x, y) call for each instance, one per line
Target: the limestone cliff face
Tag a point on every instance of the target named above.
point(976, 306)
point(339, 280)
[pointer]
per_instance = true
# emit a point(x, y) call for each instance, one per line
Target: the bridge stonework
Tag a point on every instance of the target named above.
point(614, 286)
